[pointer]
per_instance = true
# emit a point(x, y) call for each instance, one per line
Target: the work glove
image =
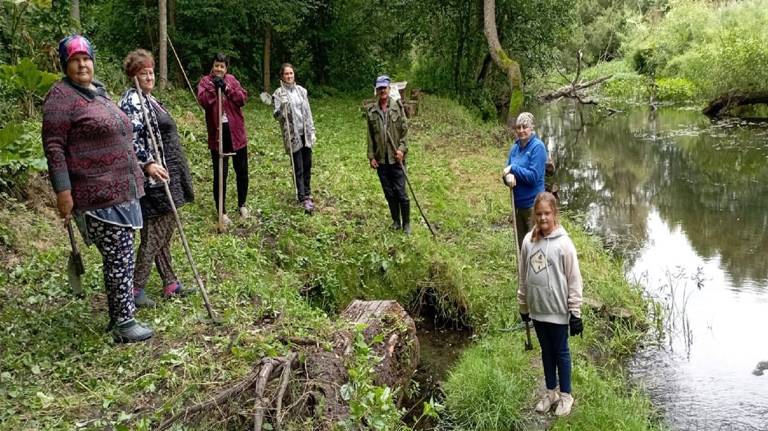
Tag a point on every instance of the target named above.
point(525, 317)
point(576, 325)
point(507, 177)
point(218, 82)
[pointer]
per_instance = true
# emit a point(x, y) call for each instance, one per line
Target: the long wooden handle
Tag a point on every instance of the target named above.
point(211, 313)
point(221, 226)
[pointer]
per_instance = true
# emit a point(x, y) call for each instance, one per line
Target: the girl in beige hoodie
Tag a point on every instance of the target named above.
point(549, 293)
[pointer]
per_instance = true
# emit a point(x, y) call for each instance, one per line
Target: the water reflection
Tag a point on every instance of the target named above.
point(685, 201)
point(710, 181)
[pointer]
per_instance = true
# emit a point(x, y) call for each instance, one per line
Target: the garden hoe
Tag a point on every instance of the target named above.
point(211, 313)
point(75, 266)
point(410, 187)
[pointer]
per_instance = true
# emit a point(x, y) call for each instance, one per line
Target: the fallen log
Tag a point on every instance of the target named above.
point(572, 90)
point(722, 105)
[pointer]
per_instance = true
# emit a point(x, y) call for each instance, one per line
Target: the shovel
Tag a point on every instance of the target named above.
point(75, 266)
point(528, 344)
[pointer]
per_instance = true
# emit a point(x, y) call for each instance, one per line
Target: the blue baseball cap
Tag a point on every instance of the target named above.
point(382, 81)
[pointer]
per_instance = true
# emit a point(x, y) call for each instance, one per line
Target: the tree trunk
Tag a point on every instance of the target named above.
point(172, 14)
point(502, 60)
point(267, 50)
point(721, 106)
point(74, 12)
point(163, 36)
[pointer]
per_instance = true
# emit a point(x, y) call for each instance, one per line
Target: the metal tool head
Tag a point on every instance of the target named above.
point(528, 343)
point(74, 270)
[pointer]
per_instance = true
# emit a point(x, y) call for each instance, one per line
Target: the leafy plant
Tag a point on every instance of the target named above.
point(19, 152)
point(370, 406)
point(29, 81)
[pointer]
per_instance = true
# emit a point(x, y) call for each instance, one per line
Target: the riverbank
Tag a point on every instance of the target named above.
point(281, 275)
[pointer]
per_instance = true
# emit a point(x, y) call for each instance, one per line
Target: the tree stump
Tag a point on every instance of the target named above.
point(399, 353)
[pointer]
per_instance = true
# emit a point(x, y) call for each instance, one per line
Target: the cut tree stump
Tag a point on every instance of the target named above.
point(317, 383)
point(399, 353)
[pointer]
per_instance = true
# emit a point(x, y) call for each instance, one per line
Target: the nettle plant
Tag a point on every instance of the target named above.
point(371, 406)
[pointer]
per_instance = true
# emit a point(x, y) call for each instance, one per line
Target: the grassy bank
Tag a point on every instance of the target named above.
point(282, 274)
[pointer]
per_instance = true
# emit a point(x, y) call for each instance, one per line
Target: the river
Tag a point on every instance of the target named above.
point(685, 201)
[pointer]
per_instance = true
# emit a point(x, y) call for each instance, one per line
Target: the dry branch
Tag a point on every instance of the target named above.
point(284, 379)
point(571, 90)
point(227, 394)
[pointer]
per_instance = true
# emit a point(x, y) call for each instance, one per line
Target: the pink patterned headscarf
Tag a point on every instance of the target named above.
point(71, 45)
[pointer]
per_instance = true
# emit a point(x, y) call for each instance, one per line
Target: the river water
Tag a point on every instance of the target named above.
point(685, 202)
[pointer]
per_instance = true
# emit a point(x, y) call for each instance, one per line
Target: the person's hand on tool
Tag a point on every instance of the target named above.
point(525, 317)
point(156, 171)
point(374, 164)
point(64, 203)
point(507, 177)
point(399, 156)
point(218, 81)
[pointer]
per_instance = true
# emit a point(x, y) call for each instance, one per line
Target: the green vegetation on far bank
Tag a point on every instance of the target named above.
point(685, 53)
point(281, 275)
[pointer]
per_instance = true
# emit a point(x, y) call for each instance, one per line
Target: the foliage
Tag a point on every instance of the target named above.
point(714, 48)
point(30, 83)
point(488, 388)
point(675, 90)
point(370, 406)
point(20, 153)
point(452, 51)
point(32, 29)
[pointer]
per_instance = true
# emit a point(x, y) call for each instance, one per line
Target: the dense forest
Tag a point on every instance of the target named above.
point(281, 279)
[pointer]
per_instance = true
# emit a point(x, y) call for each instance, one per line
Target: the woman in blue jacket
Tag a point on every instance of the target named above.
point(526, 164)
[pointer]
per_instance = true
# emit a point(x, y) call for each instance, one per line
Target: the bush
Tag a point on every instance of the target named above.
point(675, 90)
point(20, 153)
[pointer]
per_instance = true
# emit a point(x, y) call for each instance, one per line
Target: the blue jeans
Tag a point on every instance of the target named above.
point(555, 354)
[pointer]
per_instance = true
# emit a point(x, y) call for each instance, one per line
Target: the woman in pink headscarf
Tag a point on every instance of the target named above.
point(96, 176)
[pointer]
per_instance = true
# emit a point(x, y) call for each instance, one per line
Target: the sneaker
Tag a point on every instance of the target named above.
point(244, 213)
point(307, 205)
point(407, 228)
point(131, 331)
point(176, 289)
point(547, 401)
point(141, 299)
point(226, 220)
point(395, 225)
point(565, 404)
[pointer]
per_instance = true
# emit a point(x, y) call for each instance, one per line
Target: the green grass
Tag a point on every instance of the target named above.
point(282, 273)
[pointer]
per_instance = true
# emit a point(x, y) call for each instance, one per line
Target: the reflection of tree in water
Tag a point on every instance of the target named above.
point(714, 188)
point(710, 181)
point(602, 170)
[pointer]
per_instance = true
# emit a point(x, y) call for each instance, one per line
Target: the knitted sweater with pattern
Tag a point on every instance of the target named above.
point(87, 142)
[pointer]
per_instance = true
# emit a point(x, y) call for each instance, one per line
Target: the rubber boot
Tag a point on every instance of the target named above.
point(405, 210)
point(394, 211)
point(131, 331)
